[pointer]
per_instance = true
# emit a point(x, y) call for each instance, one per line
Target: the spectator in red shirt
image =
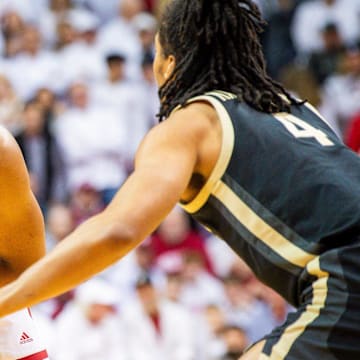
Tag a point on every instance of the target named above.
point(352, 138)
point(174, 237)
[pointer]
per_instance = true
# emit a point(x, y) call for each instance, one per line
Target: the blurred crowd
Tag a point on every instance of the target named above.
point(78, 93)
point(313, 48)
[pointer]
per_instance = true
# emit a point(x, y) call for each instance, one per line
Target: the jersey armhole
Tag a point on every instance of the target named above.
point(227, 145)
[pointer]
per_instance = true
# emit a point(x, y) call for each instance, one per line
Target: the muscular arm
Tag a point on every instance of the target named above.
point(21, 225)
point(163, 168)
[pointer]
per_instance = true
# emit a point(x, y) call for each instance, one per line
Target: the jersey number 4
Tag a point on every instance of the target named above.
point(301, 129)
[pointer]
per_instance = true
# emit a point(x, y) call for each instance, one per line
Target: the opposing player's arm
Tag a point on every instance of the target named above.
point(164, 166)
point(22, 229)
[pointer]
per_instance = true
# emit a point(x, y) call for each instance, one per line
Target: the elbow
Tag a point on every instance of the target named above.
point(120, 236)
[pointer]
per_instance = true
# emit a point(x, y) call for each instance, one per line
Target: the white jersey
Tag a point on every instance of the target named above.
point(19, 338)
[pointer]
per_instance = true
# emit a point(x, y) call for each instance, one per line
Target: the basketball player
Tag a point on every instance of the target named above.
point(21, 244)
point(258, 168)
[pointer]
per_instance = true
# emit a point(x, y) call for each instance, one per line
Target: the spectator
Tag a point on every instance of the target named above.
point(312, 16)
point(326, 62)
point(174, 285)
point(42, 156)
point(50, 105)
point(65, 35)
point(28, 11)
point(123, 28)
point(214, 321)
point(246, 311)
point(157, 329)
point(124, 275)
point(59, 224)
point(12, 24)
point(236, 342)
point(85, 202)
point(146, 26)
point(175, 237)
point(94, 153)
point(43, 65)
point(106, 10)
point(123, 96)
point(51, 17)
point(10, 106)
point(342, 91)
point(221, 255)
point(200, 288)
point(112, 90)
point(278, 45)
point(82, 59)
point(97, 334)
point(12, 27)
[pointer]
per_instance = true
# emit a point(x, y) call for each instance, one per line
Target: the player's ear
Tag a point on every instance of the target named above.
point(170, 66)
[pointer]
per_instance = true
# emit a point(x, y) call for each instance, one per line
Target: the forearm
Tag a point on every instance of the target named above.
point(87, 251)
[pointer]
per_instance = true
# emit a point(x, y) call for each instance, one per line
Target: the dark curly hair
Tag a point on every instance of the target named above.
point(216, 46)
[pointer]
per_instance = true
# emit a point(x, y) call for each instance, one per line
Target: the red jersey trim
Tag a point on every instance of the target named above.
point(38, 356)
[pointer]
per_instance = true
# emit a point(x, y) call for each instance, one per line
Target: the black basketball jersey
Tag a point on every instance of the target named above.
point(284, 190)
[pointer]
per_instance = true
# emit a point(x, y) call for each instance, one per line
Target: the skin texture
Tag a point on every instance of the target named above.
point(22, 229)
point(174, 154)
point(22, 236)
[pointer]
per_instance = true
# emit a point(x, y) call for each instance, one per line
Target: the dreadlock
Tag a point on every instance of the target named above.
point(216, 46)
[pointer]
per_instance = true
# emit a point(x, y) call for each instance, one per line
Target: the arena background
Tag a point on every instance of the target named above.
point(78, 94)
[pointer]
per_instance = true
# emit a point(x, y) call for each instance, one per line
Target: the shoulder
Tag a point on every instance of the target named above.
point(187, 126)
point(195, 119)
point(11, 160)
point(8, 146)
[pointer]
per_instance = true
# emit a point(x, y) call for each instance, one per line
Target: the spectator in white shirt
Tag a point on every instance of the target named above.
point(106, 10)
point(341, 93)
point(34, 67)
point(125, 274)
point(146, 26)
point(29, 10)
point(12, 28)
point(53, 14)
point(10, 106)
point(129, 99)
point(122, 36)
point(82, 59)
point(200, 288)
point(93, 141)
point(88, 328)
point(157, 329)
point(312, 16)
point(246, 311)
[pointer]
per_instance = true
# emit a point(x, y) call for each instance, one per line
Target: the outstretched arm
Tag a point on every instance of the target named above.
point(164, 166)
point(21, 225)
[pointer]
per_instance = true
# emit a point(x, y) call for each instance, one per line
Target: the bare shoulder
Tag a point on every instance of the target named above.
point(6, 139)
point(11, 160)
point(193, 132)
point(193, 121)
point(198, 116)
point(8, 146)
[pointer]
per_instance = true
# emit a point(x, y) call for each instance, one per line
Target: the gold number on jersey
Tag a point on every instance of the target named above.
point(301, 129)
